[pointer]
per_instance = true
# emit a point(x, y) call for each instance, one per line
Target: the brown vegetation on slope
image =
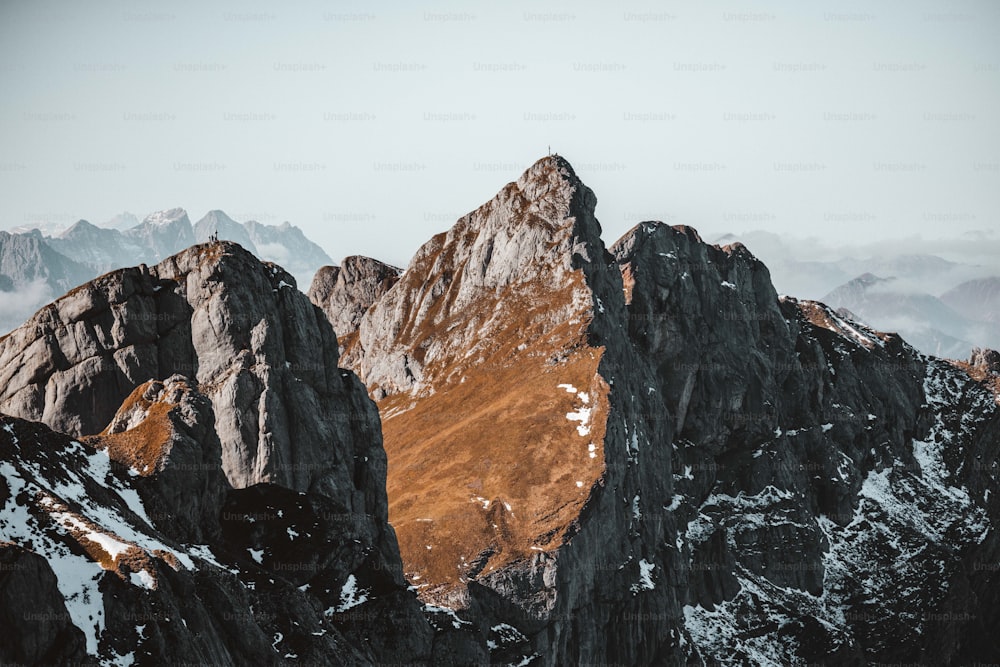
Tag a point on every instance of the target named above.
point(489, 461)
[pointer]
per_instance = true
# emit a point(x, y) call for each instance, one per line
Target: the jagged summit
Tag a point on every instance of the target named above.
point(652, 433)
point(486, 323)
point(168, 216)
point(78, 227)
point(248, 470)
point(346, 292)
point(212, 312)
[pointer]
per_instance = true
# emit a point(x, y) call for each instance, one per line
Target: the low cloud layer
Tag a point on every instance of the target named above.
point(21, 303)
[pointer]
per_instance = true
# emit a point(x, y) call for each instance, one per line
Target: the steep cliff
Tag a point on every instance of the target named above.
point(641, 455)
point(836, 500)
point(262, 353)
point(522, 430)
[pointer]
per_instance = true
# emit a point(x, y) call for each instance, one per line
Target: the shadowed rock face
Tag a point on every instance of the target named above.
point(37, 628)
point(97, 564)
point(165, 433)
point(480, 352)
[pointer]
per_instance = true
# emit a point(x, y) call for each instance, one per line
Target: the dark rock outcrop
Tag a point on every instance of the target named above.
point(247, 499)
point(640, 456)
point(164, 432)
point(37, 627)
point(988, 361)
point(803, 442)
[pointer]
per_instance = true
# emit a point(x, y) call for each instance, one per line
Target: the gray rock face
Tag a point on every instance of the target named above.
point(347, 291)
point(165, 433)
point(639, 456)
point(502, 246)
point(263, 355)
point(525, 283)
point(246, 500)
point(803, 443)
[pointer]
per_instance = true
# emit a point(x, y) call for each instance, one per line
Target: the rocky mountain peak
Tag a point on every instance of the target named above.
point(723, 442)
point(167, 217)
point(987, 360)
point(636, 455)
point(346, 292)
point(527, 236)
point(77, 228)
point(490, 323)
point(214, 313)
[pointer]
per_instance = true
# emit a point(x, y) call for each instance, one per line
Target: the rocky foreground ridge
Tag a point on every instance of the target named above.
point(629, 455)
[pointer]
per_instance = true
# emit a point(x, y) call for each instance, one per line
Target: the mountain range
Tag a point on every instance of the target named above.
point(526, 447)
point(942, 326)
point(940, 306)
point(31, 275)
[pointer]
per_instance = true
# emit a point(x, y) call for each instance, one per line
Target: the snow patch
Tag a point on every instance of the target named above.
point(143, 579)
point(350, 595)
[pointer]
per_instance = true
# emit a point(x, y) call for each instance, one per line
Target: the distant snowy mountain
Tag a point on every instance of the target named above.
point(46, 228)
point(38, 268)
point(976, 299)
point(31, 275)
point(103, 249)
point(811, 268)
point(927, 322)
point(122, 221)
point(163, 233)
point(227, 229)
point(285, 244)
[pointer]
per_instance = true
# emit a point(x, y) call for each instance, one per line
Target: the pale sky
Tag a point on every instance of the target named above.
point(374, 125)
